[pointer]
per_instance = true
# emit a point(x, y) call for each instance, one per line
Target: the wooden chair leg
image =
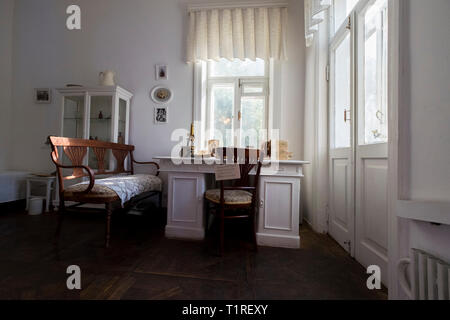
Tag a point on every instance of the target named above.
point(207, 220)
point(222, 230)
point(61, 211)
point(108, 224)
point(253, 231)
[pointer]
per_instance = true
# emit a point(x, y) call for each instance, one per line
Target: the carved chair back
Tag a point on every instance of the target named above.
point(76, 150)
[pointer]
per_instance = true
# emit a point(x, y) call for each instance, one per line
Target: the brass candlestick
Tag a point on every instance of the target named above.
point(192, 140)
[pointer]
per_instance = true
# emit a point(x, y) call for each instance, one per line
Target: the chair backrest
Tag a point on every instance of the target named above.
point(76, 150)
point(247, 159)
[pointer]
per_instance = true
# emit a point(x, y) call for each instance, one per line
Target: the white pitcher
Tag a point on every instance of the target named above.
point(106, 78)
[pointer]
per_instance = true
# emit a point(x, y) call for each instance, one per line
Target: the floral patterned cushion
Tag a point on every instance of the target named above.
point(97, 191)
point(125, 187)
point(231, 196)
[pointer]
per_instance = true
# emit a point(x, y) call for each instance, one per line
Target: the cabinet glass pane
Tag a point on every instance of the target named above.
point(342, 97)
point(375, 74)
point(121, 138)
point(222, 113)
point(100, 125)
point(73, 122)
point(252, 121)
point(73, 116)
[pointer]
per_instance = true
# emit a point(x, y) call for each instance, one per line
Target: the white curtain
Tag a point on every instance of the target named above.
point(242, 33)
point(313, 17)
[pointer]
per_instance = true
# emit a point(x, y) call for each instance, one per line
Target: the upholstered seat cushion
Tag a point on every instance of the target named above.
point(232, 197)
point(124, 187)
point(98, 191)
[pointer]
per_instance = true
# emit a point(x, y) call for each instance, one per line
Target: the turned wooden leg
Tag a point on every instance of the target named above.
point(108, 224)
point(61, 210)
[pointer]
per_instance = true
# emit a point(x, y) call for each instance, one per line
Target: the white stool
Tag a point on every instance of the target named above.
point(48, 181)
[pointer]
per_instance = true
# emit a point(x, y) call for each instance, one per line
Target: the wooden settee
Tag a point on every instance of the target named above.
point(121, 185)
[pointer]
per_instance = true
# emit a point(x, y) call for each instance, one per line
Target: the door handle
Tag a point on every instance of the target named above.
point(379, 116)
point(239, 116)
point(345, 116)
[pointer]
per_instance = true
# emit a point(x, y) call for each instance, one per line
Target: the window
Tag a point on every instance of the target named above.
point(341, 10)
point(375, 74)
point(237, 102)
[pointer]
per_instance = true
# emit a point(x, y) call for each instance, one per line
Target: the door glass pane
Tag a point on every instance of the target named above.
point(100, 125)
point(237, 68)
point(252, 121)
point(73, 126)
point(122, 121)
point(342, 95)
point(375, 74)
point(342, 9)
point(222, 111)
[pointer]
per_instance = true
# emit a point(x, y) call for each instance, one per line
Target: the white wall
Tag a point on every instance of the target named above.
point(425, 79)
point(293, 81)
point(429, 61)
point(6, 32)
point(129, 37)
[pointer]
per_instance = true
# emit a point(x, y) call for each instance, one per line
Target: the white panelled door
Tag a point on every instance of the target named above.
point(371, 196)
point(358, 218)
point(341, 219)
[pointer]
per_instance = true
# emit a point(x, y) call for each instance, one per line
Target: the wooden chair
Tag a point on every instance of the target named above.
point(76, 150)
point(229, 202)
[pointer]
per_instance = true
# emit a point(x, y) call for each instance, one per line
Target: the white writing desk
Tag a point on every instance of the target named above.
point(279, 200)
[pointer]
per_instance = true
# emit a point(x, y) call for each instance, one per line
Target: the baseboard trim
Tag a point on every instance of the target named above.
point(280, 241)
point(175, 232)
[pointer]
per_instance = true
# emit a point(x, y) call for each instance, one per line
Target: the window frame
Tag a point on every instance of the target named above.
point(238, 83)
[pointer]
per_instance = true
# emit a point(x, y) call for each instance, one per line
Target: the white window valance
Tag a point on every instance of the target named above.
point(313, 17)
point(237, 33)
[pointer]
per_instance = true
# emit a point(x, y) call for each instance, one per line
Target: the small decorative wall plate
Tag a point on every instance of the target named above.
point(161, 94)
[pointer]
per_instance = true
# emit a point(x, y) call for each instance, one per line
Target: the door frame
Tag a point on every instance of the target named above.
point(396, 10)
point(396, 13)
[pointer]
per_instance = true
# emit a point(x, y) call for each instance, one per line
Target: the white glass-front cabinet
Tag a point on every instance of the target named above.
point(97, 113)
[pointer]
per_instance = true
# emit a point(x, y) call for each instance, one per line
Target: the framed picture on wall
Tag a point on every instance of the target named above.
point(161, 72)
point(42, 95)
point(161, 115)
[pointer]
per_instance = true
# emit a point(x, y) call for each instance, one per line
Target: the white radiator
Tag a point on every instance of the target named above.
point(429, 277)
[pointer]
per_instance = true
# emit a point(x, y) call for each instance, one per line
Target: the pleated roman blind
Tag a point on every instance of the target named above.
point(237, 33)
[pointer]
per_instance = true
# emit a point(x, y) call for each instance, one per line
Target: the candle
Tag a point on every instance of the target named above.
point(192, 129)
